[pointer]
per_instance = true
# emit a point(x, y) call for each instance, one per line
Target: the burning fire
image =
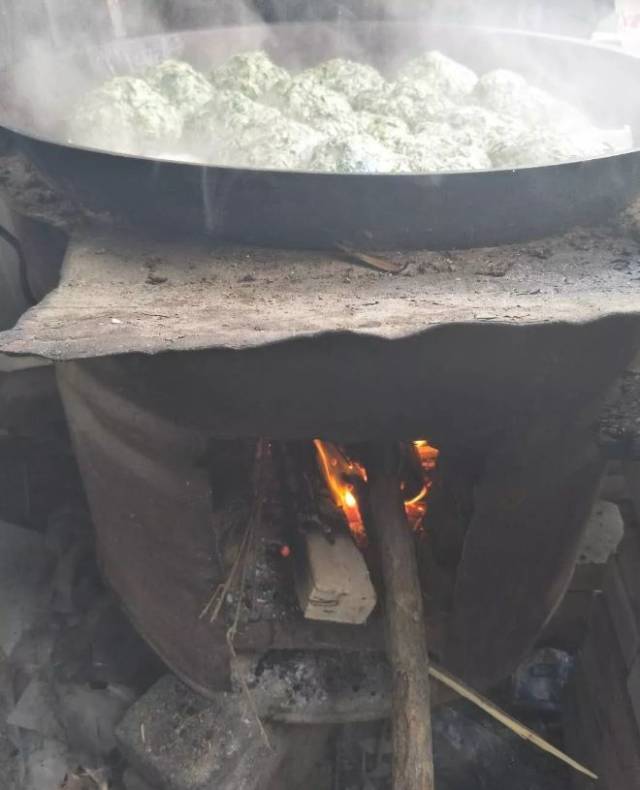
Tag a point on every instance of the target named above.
point(343, 476)
point(416, 507)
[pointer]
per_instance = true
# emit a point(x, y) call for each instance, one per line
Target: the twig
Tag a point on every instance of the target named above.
point(215, 603)
point(247, 692)
point(231, 634)
point(216, 596)
point(219, 595)
point(508, 721)
point(372, 261)
point(254, 521)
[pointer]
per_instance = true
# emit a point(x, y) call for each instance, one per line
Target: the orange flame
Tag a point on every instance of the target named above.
point(416, 507)
point(340, 472)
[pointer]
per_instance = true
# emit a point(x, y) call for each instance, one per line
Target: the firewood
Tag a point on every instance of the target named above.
point(405, 623)
point(332, 579)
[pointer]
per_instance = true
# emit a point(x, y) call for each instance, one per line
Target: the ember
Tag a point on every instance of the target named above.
point(344, 476)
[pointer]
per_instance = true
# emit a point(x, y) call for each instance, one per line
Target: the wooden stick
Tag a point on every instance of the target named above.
point(381, 264)
point(508, 721)
point(405, 625)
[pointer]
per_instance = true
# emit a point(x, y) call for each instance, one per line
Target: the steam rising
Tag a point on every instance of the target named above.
point(43, 32)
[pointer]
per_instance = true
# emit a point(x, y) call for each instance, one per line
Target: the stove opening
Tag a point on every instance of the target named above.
point(294, 537)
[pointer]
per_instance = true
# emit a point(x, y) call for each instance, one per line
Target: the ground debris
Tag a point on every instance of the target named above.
point(471, 753)
point(86, 779)
point(60, 698)
point(386, 264)
point(494, 265)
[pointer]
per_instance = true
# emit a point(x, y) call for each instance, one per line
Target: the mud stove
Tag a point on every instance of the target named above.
point(228, 405)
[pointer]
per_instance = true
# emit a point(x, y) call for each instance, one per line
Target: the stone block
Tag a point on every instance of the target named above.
point(178, 740)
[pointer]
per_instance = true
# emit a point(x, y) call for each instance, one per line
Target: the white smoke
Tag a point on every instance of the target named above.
point(42, 33)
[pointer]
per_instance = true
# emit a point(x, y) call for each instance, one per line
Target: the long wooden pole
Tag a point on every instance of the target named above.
point(405, 624)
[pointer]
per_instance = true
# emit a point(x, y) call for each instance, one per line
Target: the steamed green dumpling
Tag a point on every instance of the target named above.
point(181, 85)
point(509, 94)
point(359, 154)
point(386, 129)
point(347, 77)
point(441, 148)
point(225, 115)
point(283, 145)
point(543, 146)
point(444, 74)
point(127, 115)
point(234, 130)
point(308, 100)
point(251, 73)
point(415, 102)
point(485, 125)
